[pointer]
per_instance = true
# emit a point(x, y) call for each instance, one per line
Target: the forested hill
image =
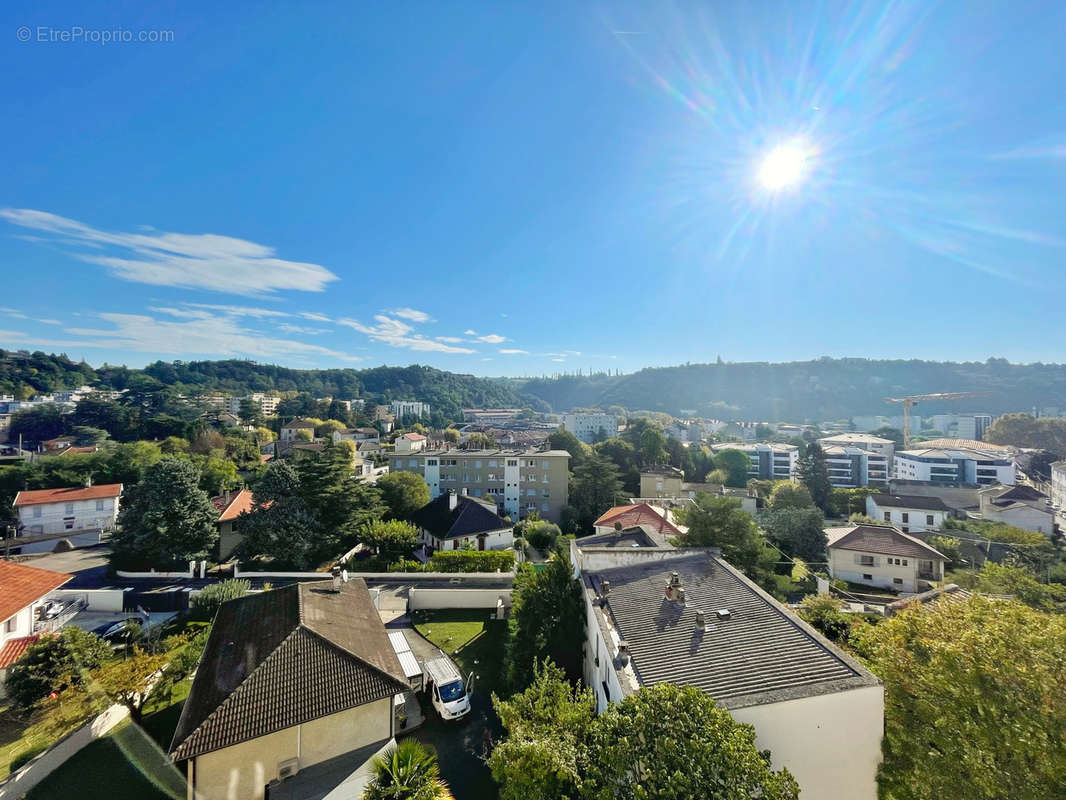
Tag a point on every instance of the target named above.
point(810, 390)
point(804, 390)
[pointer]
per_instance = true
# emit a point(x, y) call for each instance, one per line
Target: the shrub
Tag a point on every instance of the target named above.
point(53, 663)
point(472, 561)
point(823, 613)
point(541, 535)
point(206, 603)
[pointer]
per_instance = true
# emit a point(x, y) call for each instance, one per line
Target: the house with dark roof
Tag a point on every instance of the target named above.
point(1021, 506)
point(23, 589)
point(686, 616)
point(884, 557)
point(294, 684)
point(908, 512)
point(453, 521)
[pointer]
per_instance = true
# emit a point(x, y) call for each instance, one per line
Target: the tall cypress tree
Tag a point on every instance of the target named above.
point(813, 473)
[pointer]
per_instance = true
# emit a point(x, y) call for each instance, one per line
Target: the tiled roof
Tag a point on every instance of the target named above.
point(240, 504)
point(299, 423)
point(950, 593)
point(762, 653)
point(882, 540)
point(284, 657)
point(414, 437)
point(470, 517)
point(910, 501)
point(637, 515)
point(13, 650)
point(68, 494)
point(21, 585)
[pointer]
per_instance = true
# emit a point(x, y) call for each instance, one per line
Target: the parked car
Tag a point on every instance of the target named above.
point(115, 631)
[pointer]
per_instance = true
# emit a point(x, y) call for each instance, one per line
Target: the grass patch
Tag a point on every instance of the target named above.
point(115, 767)
point(474, 638)
point(160, 715)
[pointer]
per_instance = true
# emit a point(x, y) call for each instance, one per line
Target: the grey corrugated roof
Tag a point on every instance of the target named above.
point(883, 540)
point(909, 501)
point(763, 653)
point(283, 657)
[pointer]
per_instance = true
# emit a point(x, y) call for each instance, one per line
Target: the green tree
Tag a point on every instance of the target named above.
point(406, 771)
point(479, 441)
point(825, 613)
point(53, 663)
point(391, 540)
point(249, 412)
point(595, 489)
point(207, 601)
point(957, 676)
point(1017, 581)
point(403, 492)
point(450, 435)
point(341, 503)
point(735, 465)
point(813, 473)
point(546, 726)
point(800, 532)
point(564, 440)
point(547, 617)
point(280, 526)
point(670, 741)
point(787, 494)
point(887, 432)
point(715, 521)
point(652, 447)
point(1024, 430)
point(166, 519)
point(36, 424)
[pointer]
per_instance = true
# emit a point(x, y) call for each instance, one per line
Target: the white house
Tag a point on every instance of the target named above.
point(658, 615)
point(23, 590)
point(908, 512)
point(881, 556)
point(587, 427)
point(83, 511)
point(1020, 506)
point(357, 435)
point(410, 443)
point(290, 430)
point(954, 465)
point(453, 521)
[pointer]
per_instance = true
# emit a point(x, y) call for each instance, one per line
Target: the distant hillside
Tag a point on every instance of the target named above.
point(810, 390)
point(804, 390)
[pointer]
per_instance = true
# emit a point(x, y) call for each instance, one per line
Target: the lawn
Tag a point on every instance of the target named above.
point(13, 739)
point(115, 768)
point(476, 643)
point(160, 716)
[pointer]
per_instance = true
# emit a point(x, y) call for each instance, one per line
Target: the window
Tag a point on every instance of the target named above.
point(9, 626)
point(905, 517)
point(904, 562)
point(36, 511)
point(545, 464)
point(68, 524)
point(99, 505)
point(898, 581)
point(69, 509)
point(477, 464)
point(431, 462)
point(531, 492)
point(545, 507)
point(866, 561)
point(492, 462)
point(512, 462)
point(888, 516)
point(929, 519)
point(866, 577)
point(544, 493)
point(905, 529)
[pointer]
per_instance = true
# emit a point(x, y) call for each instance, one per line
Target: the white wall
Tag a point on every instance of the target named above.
point(916, 517)
point(20, 623)
point(55, 518)
point(831, 743)
point(843, 564)
point(456, 598)
point(95, 599)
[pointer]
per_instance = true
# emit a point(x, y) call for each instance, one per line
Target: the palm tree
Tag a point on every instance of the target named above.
point(406, 772)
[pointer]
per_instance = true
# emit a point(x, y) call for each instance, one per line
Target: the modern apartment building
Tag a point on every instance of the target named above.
point(961, 426)
point(587, 427)
point(409, 408)
point(768, 461)
point(520, 481)
point(857, 459)
point(943, 465)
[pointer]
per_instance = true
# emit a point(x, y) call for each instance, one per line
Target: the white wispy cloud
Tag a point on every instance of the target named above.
point(1045, 150)
point(213, 336)
point(312, 315)
point(492, 338)
point(469, 332)
point(194, 261)
point(288, 327)
point(514, 352)
point(412, 314)
point(240, 311)
point(396, 333)
point(452, 339)
point(49, 321)
point(558, 359)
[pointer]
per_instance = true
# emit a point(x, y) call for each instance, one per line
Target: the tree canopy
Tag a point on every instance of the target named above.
point(403, 492)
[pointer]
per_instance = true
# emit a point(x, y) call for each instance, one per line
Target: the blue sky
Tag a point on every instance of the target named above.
point(507, 189)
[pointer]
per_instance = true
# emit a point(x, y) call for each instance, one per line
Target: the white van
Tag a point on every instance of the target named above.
point(447, 689)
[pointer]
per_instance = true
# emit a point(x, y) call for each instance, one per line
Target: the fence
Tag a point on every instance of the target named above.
point(457, 598)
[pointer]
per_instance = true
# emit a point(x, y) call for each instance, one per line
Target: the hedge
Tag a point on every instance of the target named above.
point(472, 561)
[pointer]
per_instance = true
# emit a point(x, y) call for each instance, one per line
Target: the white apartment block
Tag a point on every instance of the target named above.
point(409, 408)
point(943, 465)
point(83, 511)
point(857, 459)
point(961, 426)
point(587, 427)
point(774, 461)
point(1058, 485)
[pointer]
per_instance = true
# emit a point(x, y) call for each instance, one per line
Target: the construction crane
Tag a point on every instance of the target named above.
point(912, 400)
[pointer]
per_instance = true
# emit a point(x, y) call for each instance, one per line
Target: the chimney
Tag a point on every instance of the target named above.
point(336, 572)
point(623, 652)
point(605, 589)
point(673, 587)
point(453, 500)
point(701, 621)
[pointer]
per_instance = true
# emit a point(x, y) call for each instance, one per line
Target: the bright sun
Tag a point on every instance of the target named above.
point(784, 167)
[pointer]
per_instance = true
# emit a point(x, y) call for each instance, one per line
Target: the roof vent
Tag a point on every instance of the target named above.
point(605, 589)
point(723, 613)
point(623, 652)
point(337, 578)
point(701, 620)
point(679, 595)
point(673, 587)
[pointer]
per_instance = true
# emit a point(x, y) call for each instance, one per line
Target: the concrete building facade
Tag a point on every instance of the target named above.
point(771, 461)
point(944, 465)
point(589, 427)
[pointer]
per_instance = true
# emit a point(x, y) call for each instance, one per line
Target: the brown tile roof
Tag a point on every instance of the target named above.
point(21, 585)
point(414, 437)
point(86, 449)
point(14, 649)
point(299, 423)
point(950, 593)
point(637, 515)
point(67, 495)
point(882, 540)
point(284, 657)
point(241, 503)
